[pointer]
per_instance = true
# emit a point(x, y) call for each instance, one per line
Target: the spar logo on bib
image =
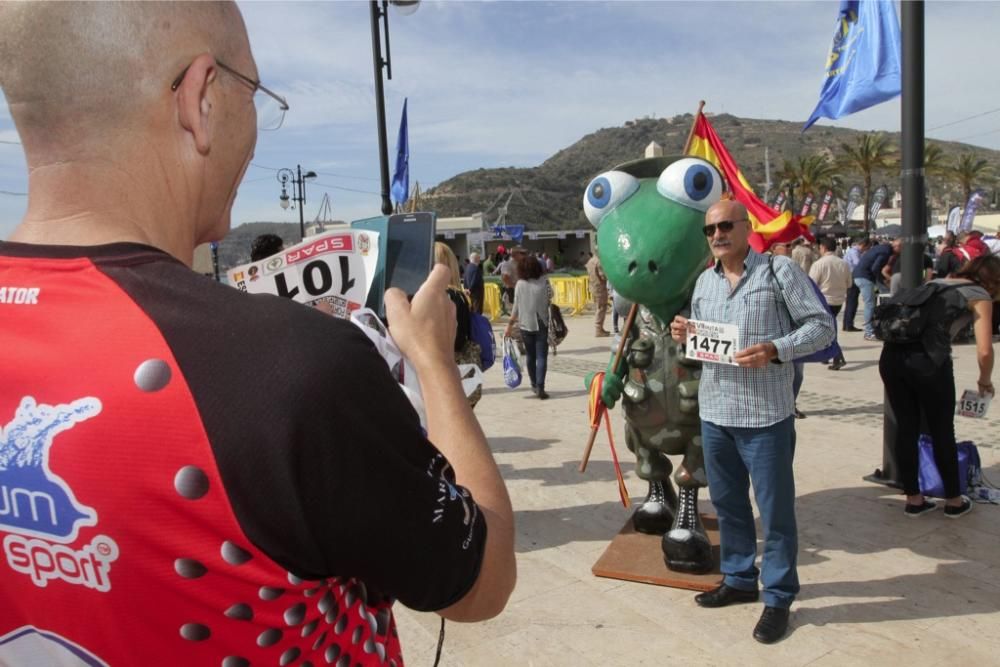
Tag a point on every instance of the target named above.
point(39, 509)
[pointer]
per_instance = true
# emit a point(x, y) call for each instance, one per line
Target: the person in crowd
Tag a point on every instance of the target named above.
point(508, 279)
point(489, 265)
point(919, 381)
point(892, 271)
point(833, 277)
point(971, 245)
point(236, 457)
point(853, 256)
point(803, 255)
point(466, 349)
point(599, 290)
point(748, 428)
point(264, 246)
point(474, 282)
point(867, 277)
point(532, 298)
point(948, 261)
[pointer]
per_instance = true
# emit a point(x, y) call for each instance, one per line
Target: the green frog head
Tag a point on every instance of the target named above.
point(649, 216)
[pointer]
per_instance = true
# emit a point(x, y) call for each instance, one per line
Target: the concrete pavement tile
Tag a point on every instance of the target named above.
point(530, 646)
point(876, 588)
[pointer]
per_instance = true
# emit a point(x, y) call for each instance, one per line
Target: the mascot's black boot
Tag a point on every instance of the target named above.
point(685, 546)
point(656, 514)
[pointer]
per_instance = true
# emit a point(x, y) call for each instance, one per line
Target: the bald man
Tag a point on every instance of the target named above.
point(193, 475)
point(747, 411)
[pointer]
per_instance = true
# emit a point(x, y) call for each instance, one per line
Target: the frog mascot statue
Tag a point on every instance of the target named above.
point(649, 216)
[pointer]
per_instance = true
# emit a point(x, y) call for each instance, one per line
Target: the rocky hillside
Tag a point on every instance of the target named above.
point(549, 196)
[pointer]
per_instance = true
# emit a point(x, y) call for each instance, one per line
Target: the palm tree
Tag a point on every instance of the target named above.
point(968, 171)
point(809, 174)
point(871, 152)
point(817, 173)
point(788, 177)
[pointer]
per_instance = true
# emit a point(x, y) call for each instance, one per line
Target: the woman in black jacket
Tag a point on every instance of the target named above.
point(920, 380)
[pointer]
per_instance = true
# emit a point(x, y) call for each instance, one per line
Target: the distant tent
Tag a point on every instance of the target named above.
point(835, 229)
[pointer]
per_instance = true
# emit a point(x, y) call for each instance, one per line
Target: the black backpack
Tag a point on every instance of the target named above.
point(922, 314)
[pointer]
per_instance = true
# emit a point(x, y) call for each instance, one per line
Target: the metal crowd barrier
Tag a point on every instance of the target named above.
point(572, 293)
point(491, 301)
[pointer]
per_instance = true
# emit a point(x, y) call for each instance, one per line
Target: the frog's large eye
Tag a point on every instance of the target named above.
point(691, 182)
point(607, 191)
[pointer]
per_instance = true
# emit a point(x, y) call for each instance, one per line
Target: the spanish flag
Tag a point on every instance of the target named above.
point(768, 227)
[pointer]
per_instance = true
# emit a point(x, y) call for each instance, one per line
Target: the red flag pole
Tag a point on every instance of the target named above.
point(629, 321)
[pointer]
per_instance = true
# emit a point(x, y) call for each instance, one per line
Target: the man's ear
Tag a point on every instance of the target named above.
point(194, 107)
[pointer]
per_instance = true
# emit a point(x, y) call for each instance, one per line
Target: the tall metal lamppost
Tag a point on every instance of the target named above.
point(298, 180)
point(382, 12)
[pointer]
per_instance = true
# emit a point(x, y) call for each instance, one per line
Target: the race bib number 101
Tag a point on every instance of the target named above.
point(713, 342)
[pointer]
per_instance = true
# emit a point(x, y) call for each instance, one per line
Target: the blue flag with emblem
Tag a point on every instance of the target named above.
point(863, 68)
point(401, 176)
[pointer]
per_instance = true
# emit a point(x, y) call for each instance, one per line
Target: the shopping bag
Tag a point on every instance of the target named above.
point(969, 468)
point(511, 364)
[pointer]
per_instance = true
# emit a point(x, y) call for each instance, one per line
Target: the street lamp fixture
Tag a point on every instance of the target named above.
point(298, 180)
point(381, 13)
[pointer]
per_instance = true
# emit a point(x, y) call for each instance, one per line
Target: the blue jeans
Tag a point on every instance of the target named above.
point(536, 349)
point(735, 457)
point(867, 288)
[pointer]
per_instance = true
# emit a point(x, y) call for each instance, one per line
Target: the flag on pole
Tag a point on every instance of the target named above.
point(863, 68)
point(401, 176)
point(971, 206)
point(825, 206)
point(768, 226)
point(877, 200)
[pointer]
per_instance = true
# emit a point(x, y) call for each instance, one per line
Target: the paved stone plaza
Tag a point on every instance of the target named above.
point(877, 588)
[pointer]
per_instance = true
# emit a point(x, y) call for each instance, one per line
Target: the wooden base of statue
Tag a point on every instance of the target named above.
point(634, 556)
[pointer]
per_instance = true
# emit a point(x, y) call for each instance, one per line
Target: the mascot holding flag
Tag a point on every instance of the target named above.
point(649, 216)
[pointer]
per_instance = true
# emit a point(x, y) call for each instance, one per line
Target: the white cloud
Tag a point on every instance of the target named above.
point(511, 83)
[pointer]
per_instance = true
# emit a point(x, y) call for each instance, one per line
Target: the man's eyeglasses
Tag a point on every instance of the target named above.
point(271, 107)
point(725, 226)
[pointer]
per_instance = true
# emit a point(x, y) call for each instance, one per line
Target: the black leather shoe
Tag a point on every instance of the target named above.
point(725, 595)
point(772, 626)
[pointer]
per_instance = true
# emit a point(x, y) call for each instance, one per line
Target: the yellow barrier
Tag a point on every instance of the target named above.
point(571, 293)
point(586, 298)
point(491, 301)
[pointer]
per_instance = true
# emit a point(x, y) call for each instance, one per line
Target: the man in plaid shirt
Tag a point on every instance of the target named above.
point(747, 410)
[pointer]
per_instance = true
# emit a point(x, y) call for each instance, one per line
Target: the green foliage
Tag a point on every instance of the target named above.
point(872, 153)
point(970, 171)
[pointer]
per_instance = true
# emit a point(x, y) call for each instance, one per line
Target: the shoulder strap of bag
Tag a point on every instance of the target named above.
point(781, 294)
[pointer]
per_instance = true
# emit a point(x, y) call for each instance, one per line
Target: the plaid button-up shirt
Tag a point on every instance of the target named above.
point(792, 317)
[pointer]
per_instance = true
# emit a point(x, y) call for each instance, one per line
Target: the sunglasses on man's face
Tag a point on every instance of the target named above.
point(724, 226)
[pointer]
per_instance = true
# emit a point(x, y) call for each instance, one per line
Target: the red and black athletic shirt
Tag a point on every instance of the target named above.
point(190, 475)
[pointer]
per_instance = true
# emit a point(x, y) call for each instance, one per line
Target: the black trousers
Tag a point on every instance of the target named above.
point(477, 299)
point(851, 306)
point(914, 387)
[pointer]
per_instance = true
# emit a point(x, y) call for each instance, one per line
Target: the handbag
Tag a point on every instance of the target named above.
point(831, 351)
point(970, 468)
point(511, 364)
point(557, 327)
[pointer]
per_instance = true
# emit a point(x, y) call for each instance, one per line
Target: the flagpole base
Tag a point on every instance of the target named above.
point(878, 477)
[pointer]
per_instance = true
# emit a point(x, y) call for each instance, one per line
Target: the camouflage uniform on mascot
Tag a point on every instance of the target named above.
point(649, 216)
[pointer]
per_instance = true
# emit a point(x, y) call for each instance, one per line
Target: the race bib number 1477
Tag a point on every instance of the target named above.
point(713, 342)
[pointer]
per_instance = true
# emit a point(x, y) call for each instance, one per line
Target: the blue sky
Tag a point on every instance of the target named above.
point(495, 84)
